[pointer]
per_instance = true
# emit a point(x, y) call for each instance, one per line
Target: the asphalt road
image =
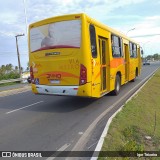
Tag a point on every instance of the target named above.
point(31, 122)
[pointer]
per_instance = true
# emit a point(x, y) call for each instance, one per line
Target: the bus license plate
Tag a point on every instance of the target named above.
point(54, 81)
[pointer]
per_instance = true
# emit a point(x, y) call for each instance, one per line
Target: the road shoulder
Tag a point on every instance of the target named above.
point(132, 123)
point(14, 89)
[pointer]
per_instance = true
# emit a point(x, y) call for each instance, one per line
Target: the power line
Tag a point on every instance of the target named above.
point(149, 35)
point(10, 53)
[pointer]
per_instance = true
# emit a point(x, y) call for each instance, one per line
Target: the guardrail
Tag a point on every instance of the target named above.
point(12, 80)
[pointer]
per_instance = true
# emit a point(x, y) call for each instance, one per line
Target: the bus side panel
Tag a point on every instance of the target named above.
point(139, 61)
point(100, 64)
point(122, 71)
point(94, 69)
point(133, 65)
point(112, 78)
point(117, 67)
point(86, 89)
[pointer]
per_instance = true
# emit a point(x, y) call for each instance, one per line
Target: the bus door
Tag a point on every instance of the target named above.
point(126, 52)
point(103, 66)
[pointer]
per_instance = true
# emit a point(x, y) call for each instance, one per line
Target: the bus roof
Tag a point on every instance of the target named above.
point(78, 15)
point(113, 31)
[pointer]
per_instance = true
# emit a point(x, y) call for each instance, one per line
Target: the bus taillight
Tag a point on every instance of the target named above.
point(83, 75)
point(31, 75)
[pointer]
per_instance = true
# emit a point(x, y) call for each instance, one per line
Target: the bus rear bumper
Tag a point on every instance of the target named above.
point(57, 90)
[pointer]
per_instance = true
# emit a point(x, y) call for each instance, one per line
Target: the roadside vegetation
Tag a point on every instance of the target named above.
point(154, 57)
point(137, 126)
point(9, 84)
point(9, 72)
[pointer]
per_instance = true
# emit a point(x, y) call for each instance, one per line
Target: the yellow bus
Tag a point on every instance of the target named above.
point(75, 55)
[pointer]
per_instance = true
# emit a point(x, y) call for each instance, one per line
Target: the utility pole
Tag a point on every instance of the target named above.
point(18, 55)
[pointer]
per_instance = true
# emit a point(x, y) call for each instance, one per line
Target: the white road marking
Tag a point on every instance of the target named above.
point(63, 148)
point(80, 133)
point(24, 107)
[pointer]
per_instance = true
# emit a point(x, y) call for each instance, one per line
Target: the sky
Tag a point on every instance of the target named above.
point(138, 19)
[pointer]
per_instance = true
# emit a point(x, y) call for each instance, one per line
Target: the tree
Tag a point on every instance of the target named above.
point(149, 57)
point(8, 68)
point(7, 72)
point(27, 68)
point(16, 68)
point(22, 69)
point(155, 56)
point(3, 69)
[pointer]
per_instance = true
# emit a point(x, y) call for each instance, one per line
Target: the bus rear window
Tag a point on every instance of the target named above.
point(64, 34)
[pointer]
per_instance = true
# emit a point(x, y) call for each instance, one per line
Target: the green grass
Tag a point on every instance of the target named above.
point(8, 84)
point(140, 117)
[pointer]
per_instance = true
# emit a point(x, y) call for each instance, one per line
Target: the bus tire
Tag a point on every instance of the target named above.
point(133, 80)
point(117, 85)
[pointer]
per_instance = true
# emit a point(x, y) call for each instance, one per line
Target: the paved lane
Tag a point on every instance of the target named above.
point(46, 123)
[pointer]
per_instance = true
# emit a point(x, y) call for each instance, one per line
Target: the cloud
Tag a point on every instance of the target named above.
point(39, 9)
point(8, 18)
point(119, 14)
point(149, 22)
point(9, 34)
point(12, 18)
point(149, 26)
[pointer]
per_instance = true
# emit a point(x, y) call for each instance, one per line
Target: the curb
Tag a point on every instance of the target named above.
point(105, 131)
point(15, 91)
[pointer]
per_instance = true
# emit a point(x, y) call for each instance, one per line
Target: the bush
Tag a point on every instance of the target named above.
point(11, 75)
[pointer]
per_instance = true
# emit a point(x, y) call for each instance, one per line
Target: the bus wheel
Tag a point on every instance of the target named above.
point(133, 80)
point(117, 85)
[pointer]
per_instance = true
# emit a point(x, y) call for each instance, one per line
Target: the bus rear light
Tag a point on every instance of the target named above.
point(32, 75)
point(83, 75)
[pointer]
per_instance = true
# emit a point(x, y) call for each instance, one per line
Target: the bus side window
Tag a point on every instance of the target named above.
point(116, 46)
point(93, 40)
point(133, 50)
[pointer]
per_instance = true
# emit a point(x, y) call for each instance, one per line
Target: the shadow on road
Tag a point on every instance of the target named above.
point(62, 104)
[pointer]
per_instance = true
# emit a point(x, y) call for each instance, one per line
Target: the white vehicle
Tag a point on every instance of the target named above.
point(25, 76)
